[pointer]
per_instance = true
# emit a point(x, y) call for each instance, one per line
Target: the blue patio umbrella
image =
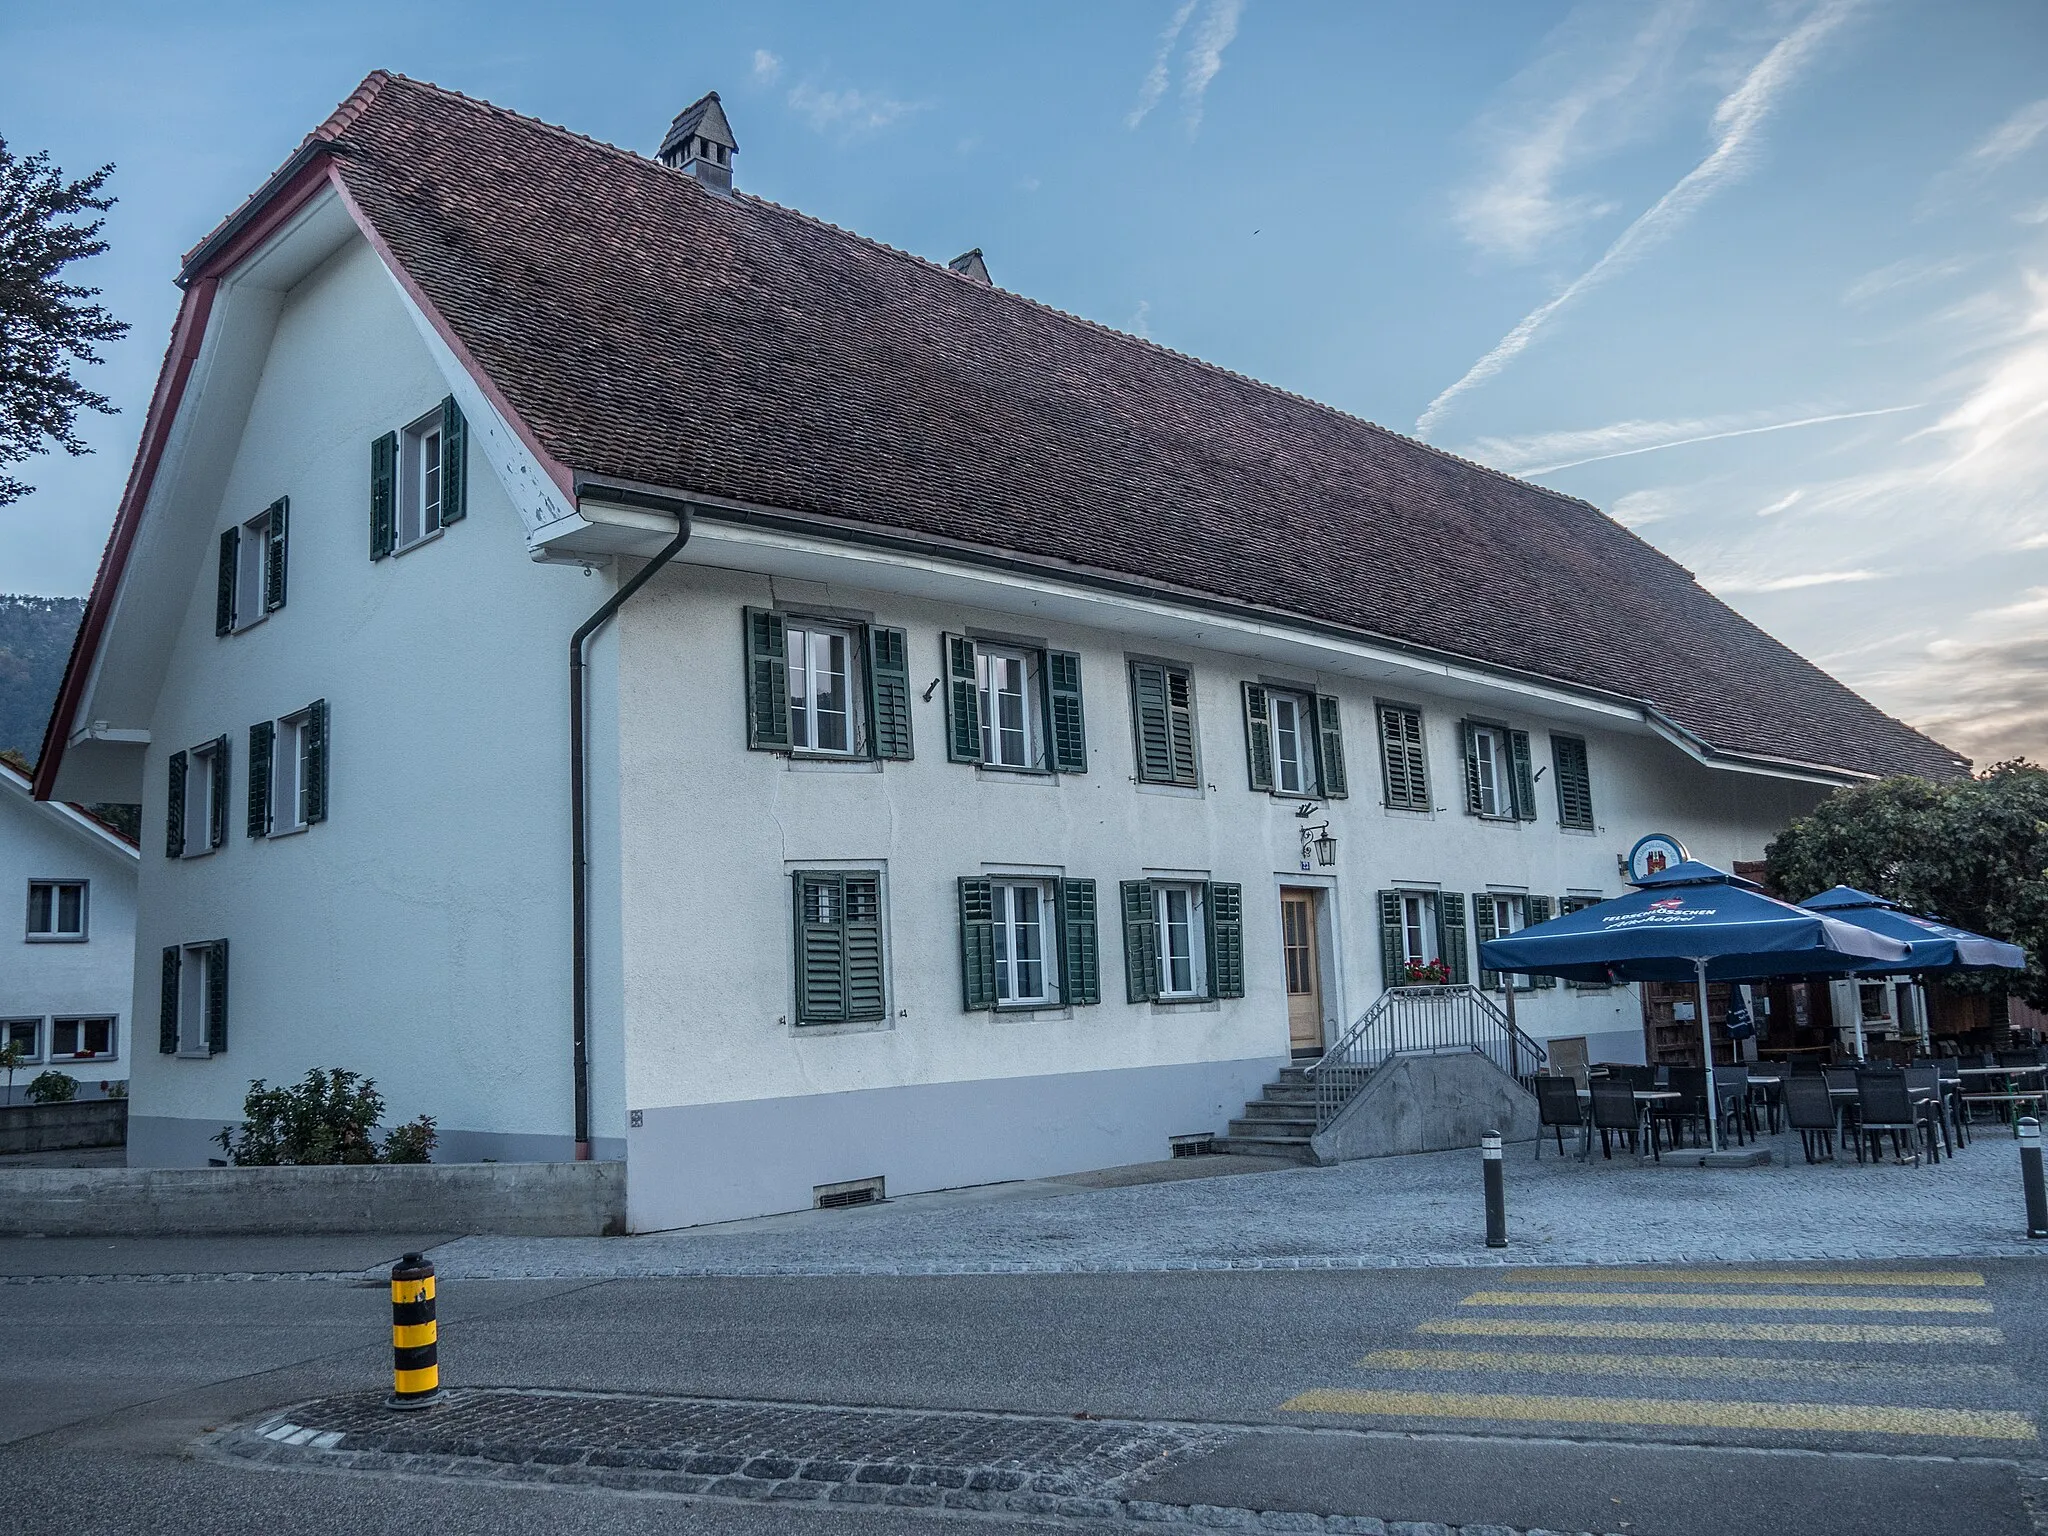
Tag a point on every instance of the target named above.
point(1935, 946)
point(1691, 922)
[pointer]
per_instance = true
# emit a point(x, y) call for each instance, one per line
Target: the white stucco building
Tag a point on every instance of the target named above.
point(965, 690)
point(68, 985)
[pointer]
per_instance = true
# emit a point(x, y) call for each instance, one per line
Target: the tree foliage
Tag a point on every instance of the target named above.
point(47, 325)
point(1973, 852)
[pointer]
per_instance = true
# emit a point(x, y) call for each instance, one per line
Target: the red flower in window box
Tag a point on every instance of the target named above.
point(1429, 973)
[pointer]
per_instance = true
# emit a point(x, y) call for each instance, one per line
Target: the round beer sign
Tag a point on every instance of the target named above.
point(1653, 855)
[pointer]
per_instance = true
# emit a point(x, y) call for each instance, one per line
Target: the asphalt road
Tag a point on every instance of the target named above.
point(1709, 1402)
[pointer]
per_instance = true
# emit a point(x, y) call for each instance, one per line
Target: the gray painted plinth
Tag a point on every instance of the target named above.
point(516, 1199)
point(1428, 1104)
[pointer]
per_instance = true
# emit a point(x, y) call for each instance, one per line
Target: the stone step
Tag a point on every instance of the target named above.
point(1286, 1130)
point(1294, 1075)
point(1266, 1146)
point(1289, 1093)
point(1270, 1109)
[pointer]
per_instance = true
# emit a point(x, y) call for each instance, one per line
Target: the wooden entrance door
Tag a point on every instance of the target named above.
point(1304, 970)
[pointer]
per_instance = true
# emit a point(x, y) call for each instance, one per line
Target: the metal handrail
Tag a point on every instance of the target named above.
point(1421, 1021)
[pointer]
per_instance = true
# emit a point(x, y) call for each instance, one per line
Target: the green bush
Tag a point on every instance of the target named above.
point(330, 1117)
point(52, 1088)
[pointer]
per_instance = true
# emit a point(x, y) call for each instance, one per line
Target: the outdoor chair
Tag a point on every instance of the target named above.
point(1616, 1112)
point(1846, 1110)
point(1731, 1086)
point(1924, 1084)
point(2025, 1056)
point(1690, 1084)
point(1558, 1106)
point(1810, 1112)
point(1886, 1104)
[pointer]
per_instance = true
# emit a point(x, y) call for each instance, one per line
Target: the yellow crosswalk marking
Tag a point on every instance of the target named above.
point(1711, 1301)
point(1741, 1367)
point(1719, 1333)
point(1960, 1277)
point(1948, 1423)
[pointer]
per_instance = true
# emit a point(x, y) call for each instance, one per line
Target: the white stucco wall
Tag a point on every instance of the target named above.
point(420, 933)
point(711, 832)
point(46, 981)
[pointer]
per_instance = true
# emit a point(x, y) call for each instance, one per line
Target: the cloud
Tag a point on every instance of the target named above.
point(1901, 274)
point(767, 67)
point(2013, 137)
point(1200, 61)
point(1738, 122)
point(1547, 127)
point(1784, 503)
point(1640, 507)
point(849, 113)
point(1137, 326)
point(1985, 692)
point(1544, 453)
point(1796, 582)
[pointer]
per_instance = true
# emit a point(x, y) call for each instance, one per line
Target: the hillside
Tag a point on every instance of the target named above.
point(35, 641)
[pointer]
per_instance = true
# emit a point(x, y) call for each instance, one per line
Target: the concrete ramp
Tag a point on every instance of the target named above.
point(1427, 1103)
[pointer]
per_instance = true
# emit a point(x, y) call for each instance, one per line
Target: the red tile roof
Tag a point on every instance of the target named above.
point(650, 331)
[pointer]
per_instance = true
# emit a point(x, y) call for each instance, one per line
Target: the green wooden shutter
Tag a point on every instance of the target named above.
point(217, 997)
point(454, 463)
point(217, 812)
point(167, 1010)
point(1393, 952)
point(383, 495)
point(977, 944)
point(1223, 914)
point(866, 992)
point(820, 949)
point(1450, 936)
point(274, 559)
point(1258, 737)
point(1063, 708)
point(767, 662)
point(1402, 759)
point(1574, 782)
point(1469, 734)
point(262, 742)
point(1141, 942)
point(963, 699)
point(1149, 723)
point(174, 809)
point(224, 590)
point(316, 761)
point(1080, 948)
point(889, 693)
point(1525, 775)
point(1180, 721)
point(1330, 749)
point(1482, 914)
point(1539, 912)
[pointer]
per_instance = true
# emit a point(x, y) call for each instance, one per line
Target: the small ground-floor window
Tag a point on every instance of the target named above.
point(90, 1039)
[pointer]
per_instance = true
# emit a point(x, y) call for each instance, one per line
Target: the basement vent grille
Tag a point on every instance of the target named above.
point(1197, 1145)
point(832, 1197)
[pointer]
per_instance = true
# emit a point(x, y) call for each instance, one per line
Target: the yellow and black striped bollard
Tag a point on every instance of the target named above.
point(415, 1362)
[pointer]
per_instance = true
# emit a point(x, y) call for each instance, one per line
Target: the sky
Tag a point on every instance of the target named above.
point(1766, 280)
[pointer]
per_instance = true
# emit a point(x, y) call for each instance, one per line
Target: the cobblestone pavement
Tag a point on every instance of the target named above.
point(1007, 1465)
point(1385, 1212)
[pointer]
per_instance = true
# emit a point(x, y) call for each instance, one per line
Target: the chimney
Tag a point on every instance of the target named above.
point(971, 265)
point(700, 144)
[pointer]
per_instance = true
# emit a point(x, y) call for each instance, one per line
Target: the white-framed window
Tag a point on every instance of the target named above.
point(1012, 698)
point(1418, 928)
point(1026, 972)
point(1293, 720)
point(203, 767)
point(1183, 941)
point(419, 480)
point(197, 980)
point(57, 911)
point(825, 712)
point(25, 1035)
point(1510, 912)
point(84, 1039)
point(252, 570)
point(291, 771)
point(1493, 786)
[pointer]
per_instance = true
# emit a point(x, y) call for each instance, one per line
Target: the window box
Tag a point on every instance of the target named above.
point(57, 911)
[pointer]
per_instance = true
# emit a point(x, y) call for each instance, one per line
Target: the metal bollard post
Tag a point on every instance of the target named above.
point(1496, 1190)
point(415, 1358)
point(2030, 1175)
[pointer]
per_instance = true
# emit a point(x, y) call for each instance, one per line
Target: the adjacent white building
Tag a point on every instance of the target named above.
point(1004, 743)
point(67, 989)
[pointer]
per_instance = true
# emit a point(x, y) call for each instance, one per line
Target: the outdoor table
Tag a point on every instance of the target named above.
point(2011, 1074)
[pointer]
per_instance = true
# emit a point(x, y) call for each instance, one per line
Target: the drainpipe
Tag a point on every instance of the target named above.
point(579, 858)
